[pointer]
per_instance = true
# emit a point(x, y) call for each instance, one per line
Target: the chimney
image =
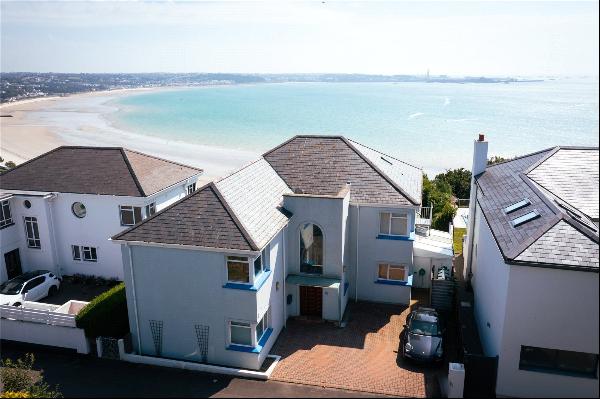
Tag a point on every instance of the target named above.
point(480, 152)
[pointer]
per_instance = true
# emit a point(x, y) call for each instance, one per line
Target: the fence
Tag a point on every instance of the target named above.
point(38, 313)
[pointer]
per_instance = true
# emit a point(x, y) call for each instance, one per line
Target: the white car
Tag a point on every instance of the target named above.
point(30, 286)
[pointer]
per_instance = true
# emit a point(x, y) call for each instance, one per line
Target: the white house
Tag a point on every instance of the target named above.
point(313, 223)
point(59, 210)
point(532, 255)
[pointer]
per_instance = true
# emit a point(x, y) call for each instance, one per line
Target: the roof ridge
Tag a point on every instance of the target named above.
point(132, 172)
point(380, 172)
point(521, 157)
point(161, 159)
point(387, 155)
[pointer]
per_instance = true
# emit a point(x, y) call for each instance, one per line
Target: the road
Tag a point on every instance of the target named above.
point(87, 376)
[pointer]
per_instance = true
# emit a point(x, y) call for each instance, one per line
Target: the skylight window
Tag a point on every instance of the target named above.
point(528, 217)
point(519, 205)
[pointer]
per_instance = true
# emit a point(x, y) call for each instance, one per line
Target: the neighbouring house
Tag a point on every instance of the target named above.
point(58, 211)
point(313, 223)
point(532, 258)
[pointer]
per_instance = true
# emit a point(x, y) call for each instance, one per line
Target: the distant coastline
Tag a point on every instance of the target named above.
point(20, 86)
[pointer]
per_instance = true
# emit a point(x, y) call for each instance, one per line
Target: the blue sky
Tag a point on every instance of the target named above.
point(468, 38)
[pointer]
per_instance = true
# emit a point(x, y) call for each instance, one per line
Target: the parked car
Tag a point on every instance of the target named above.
point(30, 286)
point(421, 339)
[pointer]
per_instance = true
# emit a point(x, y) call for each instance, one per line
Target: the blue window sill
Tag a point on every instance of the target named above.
point(408, 282)
point(410, 237)
point(249, 349)
point(258, 283)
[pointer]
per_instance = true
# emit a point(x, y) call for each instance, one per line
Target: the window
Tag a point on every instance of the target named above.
point(525, 218)
point(517, 206)
point(33, 283)
point(150, 209)
point(191, 188)
point(241, 333)
point(5, 215)
point(262, 326)
point(32, 233)
point(261, 264)
point(311, 249)
point(89, 254)
point(558, 361)
point(78, 209)
point(76, 252)
point(238, 269)
point(27, 204)
point(393, 224)
point(130, 215)
point(391, 272)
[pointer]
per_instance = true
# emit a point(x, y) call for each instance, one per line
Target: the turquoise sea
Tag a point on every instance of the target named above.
point(431, 125)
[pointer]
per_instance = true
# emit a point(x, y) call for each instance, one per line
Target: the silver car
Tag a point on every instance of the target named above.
point(421, 339)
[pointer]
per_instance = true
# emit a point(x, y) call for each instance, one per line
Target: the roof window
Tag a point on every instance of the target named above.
point(525, 218)
point(519, 205)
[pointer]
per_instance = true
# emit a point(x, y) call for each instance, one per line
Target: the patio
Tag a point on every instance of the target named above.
point(363, 356)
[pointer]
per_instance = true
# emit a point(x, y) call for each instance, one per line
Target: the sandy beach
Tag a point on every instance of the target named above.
point(29, 128)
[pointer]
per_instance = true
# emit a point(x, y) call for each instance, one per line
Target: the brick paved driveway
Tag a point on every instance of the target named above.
point(363, 356)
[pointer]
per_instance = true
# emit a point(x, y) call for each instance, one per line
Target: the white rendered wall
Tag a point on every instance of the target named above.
point(44, 334)
point(554, 309)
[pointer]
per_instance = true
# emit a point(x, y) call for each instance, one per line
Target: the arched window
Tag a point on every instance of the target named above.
point(311, 249)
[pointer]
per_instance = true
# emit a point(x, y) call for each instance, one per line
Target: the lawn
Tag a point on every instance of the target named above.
point(458, 235)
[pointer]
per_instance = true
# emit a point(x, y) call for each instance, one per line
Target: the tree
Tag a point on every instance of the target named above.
point(20, 380)
point(10, 164)
point(459, 181)
point(497, 159)
point(441, 220)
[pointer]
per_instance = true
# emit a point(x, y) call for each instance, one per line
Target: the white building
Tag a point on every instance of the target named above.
point(532, 254)
point(313, 223)
point(60, 209)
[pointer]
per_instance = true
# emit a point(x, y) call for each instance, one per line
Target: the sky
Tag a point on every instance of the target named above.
point(376, 37)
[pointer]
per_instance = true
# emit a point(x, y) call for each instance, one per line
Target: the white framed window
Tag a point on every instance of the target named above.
point(130, 215)
point(150, 209)
point(191, 188)
point(261, 264)
point(32, 232)
point(395, 224)
point(263, 325)
point(238, 269)
point(387, 271)
point(76, 251)
point(240, 333)
point(5, 215)
point(89, 254)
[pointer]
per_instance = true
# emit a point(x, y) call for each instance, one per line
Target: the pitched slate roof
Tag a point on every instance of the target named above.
point(572, 175)
point(201, 219)
point(96, 170)
point(322, 165)
point(507, 183)
point(247, 204)
point(255, 193)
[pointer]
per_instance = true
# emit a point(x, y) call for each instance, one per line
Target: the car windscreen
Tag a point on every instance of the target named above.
point(11, 287)
point(421, 327)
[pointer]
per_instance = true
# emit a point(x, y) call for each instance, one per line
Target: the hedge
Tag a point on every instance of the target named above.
point(106, 315)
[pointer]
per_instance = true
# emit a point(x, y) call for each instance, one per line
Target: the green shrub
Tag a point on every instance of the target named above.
point(19, 380)
point(105, 315)
point(441, 220)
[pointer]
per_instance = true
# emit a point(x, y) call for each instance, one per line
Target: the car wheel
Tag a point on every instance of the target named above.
point(17, 304)
point(52, 291)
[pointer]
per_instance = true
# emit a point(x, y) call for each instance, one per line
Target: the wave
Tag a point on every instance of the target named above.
point(415, 115)
point(446, 102)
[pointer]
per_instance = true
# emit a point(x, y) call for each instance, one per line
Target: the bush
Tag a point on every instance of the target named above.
point(441, 220)
point(105, 315)
point(19, 380)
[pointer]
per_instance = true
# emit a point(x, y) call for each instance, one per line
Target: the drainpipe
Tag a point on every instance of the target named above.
point(284, 277)
point(135, 308)
point(356, 266)
point(50, 198)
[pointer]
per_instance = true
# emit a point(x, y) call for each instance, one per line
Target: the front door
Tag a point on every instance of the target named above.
point(12, 260)
point(311, 301)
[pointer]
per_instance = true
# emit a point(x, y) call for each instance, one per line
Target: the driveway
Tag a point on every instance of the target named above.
point(75, 291)
point(363, 356)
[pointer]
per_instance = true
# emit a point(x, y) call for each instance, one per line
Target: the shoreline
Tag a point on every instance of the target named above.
point(41, 124)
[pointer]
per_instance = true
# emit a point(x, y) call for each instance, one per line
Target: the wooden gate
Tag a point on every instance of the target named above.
point(311, 301)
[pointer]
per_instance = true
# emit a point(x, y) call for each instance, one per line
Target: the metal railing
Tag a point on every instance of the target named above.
point(425, 212)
